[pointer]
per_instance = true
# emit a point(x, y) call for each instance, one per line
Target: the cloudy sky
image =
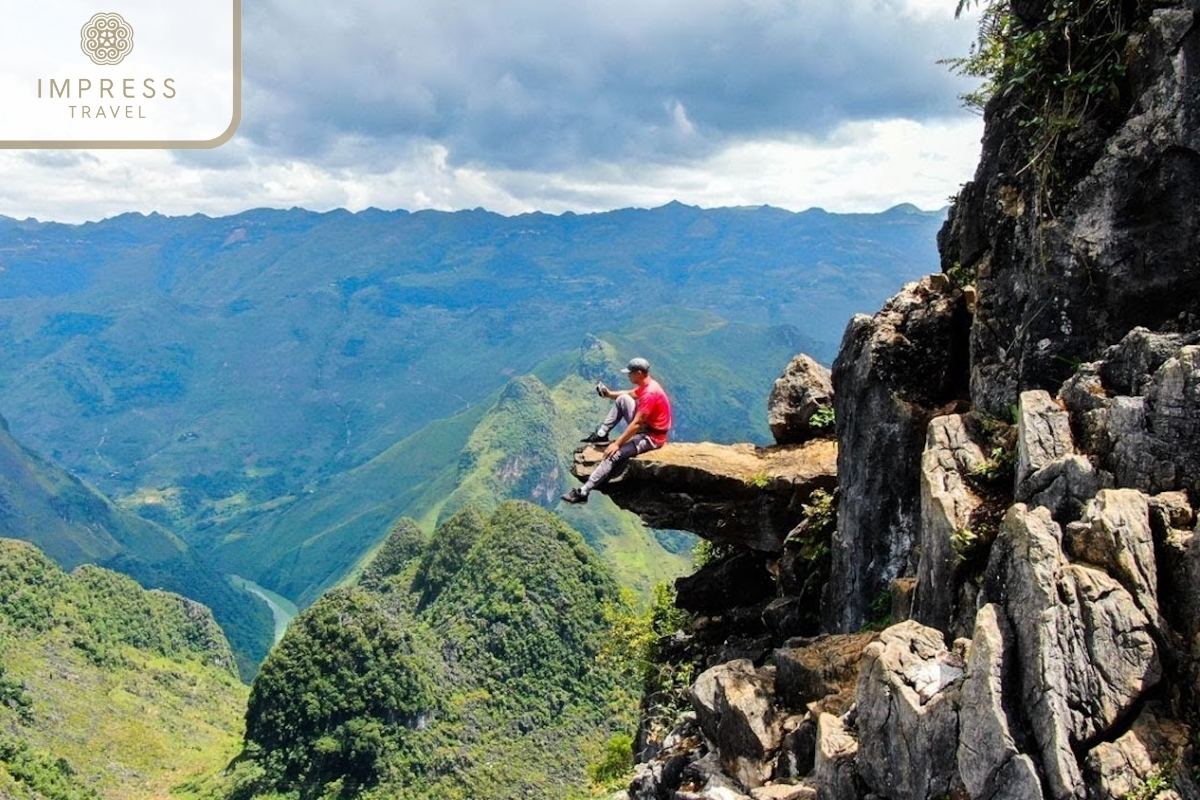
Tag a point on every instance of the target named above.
point(557, 105)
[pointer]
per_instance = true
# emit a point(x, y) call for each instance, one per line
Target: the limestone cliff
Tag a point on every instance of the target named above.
point(1018, 459)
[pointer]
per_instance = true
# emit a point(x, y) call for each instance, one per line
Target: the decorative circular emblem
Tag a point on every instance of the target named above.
point(106, 39)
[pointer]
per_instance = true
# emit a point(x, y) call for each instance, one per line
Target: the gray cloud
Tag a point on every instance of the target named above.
point(540, 85)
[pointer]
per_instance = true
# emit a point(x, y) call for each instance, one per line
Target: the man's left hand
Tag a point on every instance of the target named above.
point(611, 450)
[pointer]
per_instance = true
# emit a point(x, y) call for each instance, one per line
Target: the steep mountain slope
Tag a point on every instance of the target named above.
point(463, 668)
point(108, 690)
point(74, 525)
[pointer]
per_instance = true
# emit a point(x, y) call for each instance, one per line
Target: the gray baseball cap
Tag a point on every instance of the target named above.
point(637, 365)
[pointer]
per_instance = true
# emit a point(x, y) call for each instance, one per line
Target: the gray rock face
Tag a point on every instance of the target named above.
point(895, 371)
point(1064, 486)
point(907, 720)
point(1149, 441)
point(837, 754)
point(804, 389)
point(1124, 248)
point(947, 502)
point(733, 704)
point(1115, 536)
point(1119, 769)
point(1043, 436)
point(1087, 650)
point(990, 762)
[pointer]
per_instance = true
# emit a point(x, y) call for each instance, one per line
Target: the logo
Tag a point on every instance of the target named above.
point(180, 89)
point(106, 39)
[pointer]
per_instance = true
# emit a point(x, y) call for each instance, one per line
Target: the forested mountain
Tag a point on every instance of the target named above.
point(465, 666)
point(106, 689)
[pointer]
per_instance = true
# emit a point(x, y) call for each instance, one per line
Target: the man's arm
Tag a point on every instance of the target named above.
point(634, 428)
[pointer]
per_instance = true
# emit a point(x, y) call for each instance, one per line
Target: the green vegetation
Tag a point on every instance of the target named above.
point(107, 689)
point(336, 698)
point(823, 419)
point(612, 771)
point(879, 612)
point(809, 543)
point(759, 480)
point(74, 525)
point(1151, 786)
point(447, 675)
point(403, 543)
point(1057, 73)
point(964, 542)
point(635, 647)
point(997, 470)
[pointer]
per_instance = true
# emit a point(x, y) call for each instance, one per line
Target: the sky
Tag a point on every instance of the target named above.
point(556, 105)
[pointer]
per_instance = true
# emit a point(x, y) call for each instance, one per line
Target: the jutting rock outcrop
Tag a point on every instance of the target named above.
point(1018, 467)
point(732, 494)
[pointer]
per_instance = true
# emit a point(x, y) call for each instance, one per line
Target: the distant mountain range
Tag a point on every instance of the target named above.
point(236, 379)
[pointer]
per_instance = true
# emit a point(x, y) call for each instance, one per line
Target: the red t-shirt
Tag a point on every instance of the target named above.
point(655, 408)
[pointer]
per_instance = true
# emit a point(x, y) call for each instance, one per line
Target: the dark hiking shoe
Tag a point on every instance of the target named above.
point(574, 496)
point(595, 438)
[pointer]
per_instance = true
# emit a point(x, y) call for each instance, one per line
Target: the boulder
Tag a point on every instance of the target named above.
point(784, 791)
point(907, 718)
point(732, 494)
point(704, 779)
point(947, 503)
point(1174, 509)
point(894, 372)
point(820, 670)
point(1115, 535)
point(787, 617)
point(798, 750)
point(733, 705)
point(1064, 486)
point(1148, 440)
point(1043, 435)
point(1087, 651)
point(804, 389)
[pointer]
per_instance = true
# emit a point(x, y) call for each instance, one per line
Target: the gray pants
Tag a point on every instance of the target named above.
point(623, 410)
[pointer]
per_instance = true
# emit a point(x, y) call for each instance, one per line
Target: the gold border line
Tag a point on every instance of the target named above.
point(140, 144)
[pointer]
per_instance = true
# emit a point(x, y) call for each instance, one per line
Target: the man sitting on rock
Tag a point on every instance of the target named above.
point(647, 412)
